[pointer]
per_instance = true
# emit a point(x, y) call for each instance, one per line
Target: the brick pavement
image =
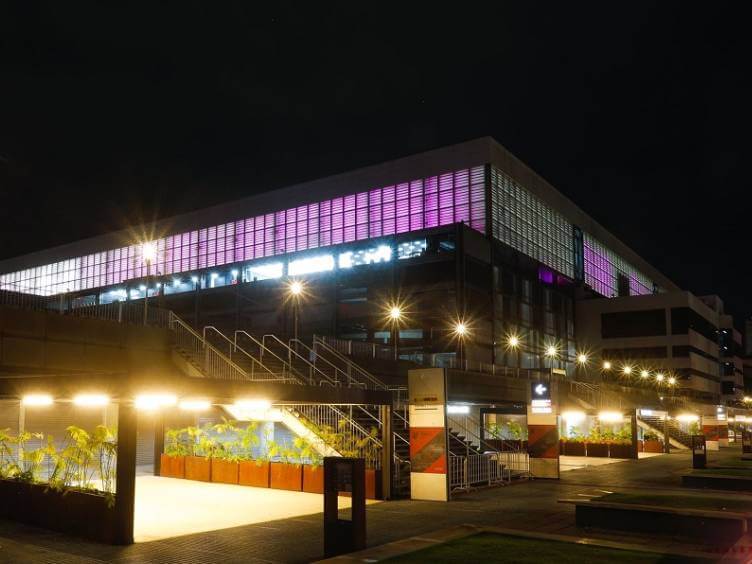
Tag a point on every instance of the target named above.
point(529, 506)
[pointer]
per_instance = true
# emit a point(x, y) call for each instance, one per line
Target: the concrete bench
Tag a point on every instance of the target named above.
point(717, 482)
point(712, 527)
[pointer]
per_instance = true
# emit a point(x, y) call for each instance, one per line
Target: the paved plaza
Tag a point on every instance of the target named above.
point(528, 505)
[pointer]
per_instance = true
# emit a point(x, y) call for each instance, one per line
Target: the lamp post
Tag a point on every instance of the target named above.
point(513, 342)
point(149, 253)
point(395, 315)
point(460, 331)
point(295, 290)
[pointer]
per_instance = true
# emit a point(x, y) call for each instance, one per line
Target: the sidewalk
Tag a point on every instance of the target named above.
point(528, 506)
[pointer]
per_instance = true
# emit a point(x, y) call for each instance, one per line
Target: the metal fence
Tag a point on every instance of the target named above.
point(476, 471)
point(340, 431)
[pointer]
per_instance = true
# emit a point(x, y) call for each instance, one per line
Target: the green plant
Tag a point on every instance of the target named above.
point(29, 460)
point(6, 454)
point(248, 439)
point(694, 428)
point(176, 443)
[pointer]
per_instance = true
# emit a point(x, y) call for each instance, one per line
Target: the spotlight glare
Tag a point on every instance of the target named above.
point(91, 400)
point(644, 374)
point(194, 404)
point(513, 341)
point(296, 288)
point(37, 400)
point(610, 417)
point(627, 370)
point(551, 351)
point(606, 365)
point(582, 358)
point(152, 402)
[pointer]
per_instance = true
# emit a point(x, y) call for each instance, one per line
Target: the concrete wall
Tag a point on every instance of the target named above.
point(588, 316)
point(38, 342)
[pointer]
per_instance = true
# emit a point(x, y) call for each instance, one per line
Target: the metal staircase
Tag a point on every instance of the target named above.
point(675, 432)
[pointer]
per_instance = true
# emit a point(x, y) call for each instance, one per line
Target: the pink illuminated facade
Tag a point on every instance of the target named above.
point(444, 199)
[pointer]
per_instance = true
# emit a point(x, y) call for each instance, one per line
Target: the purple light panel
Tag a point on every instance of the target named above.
point(410, 206)
point(602, 267)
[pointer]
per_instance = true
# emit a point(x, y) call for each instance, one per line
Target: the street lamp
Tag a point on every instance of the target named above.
point(606, 365)
point(460, 331)
point(295, 289)
point(627, 370)
point(582, 359)
point(513, 343)
point(149, 254)
point(644, 374)
point(395, 314)
point(552, 353)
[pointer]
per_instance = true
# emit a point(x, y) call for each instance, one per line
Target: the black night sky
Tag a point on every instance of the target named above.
point(639, 112)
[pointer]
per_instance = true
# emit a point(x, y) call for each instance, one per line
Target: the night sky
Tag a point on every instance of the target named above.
point(639, 113)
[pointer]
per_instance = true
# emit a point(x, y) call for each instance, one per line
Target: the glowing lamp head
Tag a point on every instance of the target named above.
point(660, 377)
point(644, 374)
point(747, 399)
point(582, 358)
point(671, 380)
point(149, 251)
point(460, 329)
point(36, 400)
point(627, 370)
point(610, 417)
point(91, 400)
point(551, 351)
point(194, 404)
point(606, 365)
point(296, 288)
point(513, 341)
point(395, 313)
point(153, 402)
point(573, 417)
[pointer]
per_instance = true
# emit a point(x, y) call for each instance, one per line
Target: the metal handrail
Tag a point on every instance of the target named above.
point(337, 370)
point(377, 384)
point(325, 379)
point(212, 360)
point(264, 350)
point(321, 415)
point(254, 360)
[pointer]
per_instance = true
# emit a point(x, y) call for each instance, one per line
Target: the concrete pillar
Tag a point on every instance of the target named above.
point(711, 430)
point(125, 496)
point(159, 434)
point(387, 460)
point(543, 443)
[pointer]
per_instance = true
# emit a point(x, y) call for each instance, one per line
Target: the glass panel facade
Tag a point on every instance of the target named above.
point(603, 267)
point(430, 202)
point(526, 224)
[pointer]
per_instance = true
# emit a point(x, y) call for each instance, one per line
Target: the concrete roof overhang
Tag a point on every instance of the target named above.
point(126, 387)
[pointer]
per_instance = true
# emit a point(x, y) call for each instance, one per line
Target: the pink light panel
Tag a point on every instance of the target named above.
point(409, 206)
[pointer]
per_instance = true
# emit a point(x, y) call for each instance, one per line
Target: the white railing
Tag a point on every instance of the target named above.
point(315, 374)
point(258, 371)
point(294, 375)
point(121, 312)
point(510, 453)
point(355, 372)
point(337, 376)
point(476, 471)
point(340, 431)
point(211, 362)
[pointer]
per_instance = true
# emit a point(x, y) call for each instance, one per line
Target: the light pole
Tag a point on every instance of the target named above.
point(513, 342)
point(460, 331)
point(149, 253)
point(295, 289)
point(395, 315)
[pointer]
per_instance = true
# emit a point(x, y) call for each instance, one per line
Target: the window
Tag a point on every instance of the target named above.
point(646, 323)
point(444, 199)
